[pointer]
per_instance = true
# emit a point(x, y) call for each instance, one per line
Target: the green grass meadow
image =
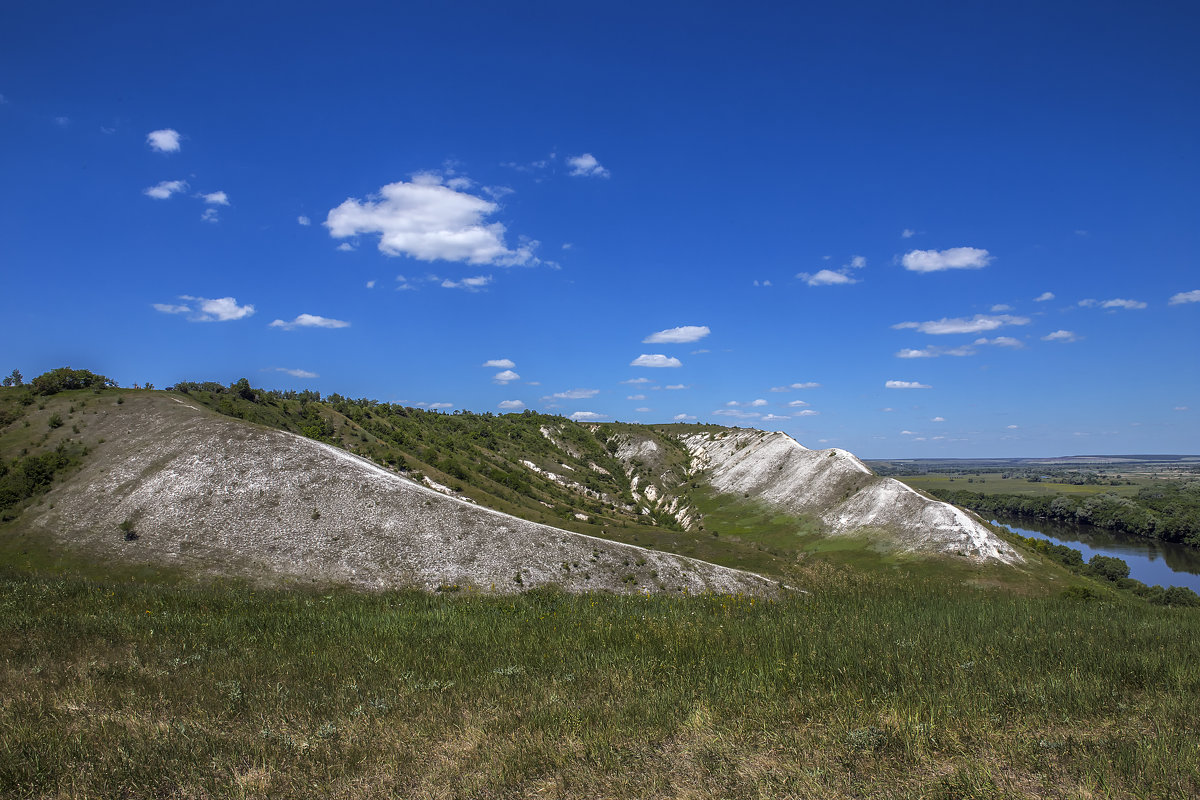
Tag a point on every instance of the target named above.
point(130, 683)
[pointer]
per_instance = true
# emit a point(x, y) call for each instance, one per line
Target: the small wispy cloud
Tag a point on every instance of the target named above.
point(1044, 297)
point(303, 220)
point(166, 140)
point(1000, 341)
point(215, 198)
point(951, 325)
point(507, 376)
point(576, 394)
point(589, 416)
point(475, 284)
point(800, 385)
point(655, 360)
point(906, 385)
point(204, 309)
point(499, 363)
point(680, 335)
point(511, 405)
point(309, 321)
point(637, 380)
point(682, 417)
point(1116, 302)
point(1184, 297)
point(586, 165)
point(907, 233)
point(295, 373)
point(934, 351)
point(165, 189)
point(1060, 336)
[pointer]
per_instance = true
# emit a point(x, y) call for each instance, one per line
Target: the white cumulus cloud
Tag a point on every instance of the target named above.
point(1185, 297)
point(164, 189)
point(826, 277)
point(682, 417)
point(164, 141)
point(429, 221)
point(1043, 297)
point(808, 412)
point(303, 220)
point(939, 260)
point(309, 321)
point(1060, 336)
point(1000, 341)
point(906, 385)
point(499, 363)
point(797, 404)
point(655, 360)
point(507, 376)
point(589, 416)
point(680, 335)
point(215, 198)
point(511, 405)
point(586, 165)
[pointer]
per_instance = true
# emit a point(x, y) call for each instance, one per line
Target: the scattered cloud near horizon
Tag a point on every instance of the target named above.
point(575, 394)
point(295, 373)
point(940, 260)
point(589, 416)
point(203, 309)
point(511, 405)
point(791, 386)
point(309, 321)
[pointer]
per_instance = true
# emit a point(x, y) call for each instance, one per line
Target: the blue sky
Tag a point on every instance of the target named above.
point(918, 230)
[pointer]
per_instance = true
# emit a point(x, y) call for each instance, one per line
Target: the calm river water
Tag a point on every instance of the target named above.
point(1150, 561)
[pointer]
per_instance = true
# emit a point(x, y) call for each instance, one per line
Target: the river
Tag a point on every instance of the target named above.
point(1150, 561)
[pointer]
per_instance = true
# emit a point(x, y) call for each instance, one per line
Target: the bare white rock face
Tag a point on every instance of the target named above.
point(223, 496)
point(836, 487)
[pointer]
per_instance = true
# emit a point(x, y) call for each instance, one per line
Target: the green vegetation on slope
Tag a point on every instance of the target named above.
point(867, 687)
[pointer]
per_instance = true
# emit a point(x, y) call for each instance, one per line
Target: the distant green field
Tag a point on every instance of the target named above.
point(994, 483)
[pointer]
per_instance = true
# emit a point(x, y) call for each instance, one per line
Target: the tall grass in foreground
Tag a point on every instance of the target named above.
point(132, 689)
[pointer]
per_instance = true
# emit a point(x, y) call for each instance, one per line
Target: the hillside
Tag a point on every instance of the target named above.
point(378, 495)
point(196, 489)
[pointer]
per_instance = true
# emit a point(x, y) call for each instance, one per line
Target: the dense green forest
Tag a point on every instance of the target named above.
point(1166, 510)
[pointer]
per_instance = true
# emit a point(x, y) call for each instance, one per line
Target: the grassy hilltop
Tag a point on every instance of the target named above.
point(891, 677)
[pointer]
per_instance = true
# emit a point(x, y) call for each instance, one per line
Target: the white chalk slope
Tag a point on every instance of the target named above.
point(841, 491)
point(221, 495)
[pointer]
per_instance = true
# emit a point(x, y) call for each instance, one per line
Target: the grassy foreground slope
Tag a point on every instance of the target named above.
point(140, 685)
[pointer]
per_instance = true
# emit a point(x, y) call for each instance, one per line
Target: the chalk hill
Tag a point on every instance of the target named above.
point(218, 494)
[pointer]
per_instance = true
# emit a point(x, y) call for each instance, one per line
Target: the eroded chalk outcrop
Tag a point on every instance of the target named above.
point(837, 488)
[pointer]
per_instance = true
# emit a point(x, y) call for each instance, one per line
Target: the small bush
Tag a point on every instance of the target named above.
point(56, 421)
